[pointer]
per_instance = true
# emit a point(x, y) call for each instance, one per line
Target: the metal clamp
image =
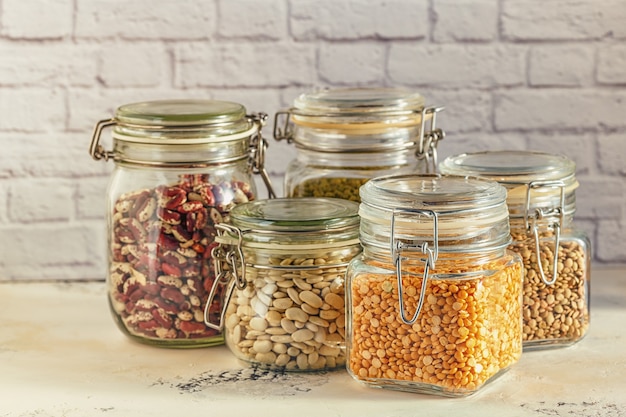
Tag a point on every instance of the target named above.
point(286, 133)
point(397, 247)
point(539, 215)
point(227, 274)
point(428, 140)
point(258, 146)
point(96, 150)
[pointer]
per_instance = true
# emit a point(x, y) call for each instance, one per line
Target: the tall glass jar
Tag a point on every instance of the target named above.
point(542, 201)
point(346, 136)
point(180, 167)
point(285, 261)
point(434, 301)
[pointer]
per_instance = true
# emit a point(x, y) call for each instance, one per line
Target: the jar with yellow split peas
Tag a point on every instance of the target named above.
point(346, 136)
point(542, 201)
point(434, 302)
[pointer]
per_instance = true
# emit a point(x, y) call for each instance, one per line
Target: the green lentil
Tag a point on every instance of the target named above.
point(346, 188)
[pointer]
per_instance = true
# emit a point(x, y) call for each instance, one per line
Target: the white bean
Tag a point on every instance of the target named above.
point(291, 319)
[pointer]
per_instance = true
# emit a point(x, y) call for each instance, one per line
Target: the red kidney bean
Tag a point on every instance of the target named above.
point(160, 255)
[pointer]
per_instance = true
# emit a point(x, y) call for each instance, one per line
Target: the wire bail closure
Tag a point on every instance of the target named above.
point(539, 215)
point(258, 146)
point(96, 150)
point(286, 132)
point(398, 247)
point(230, 271)
point(429, 139)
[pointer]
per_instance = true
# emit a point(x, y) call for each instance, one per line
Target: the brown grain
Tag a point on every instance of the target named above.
point(558, 313)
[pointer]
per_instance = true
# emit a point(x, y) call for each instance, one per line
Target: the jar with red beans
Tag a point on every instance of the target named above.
point(180, 167)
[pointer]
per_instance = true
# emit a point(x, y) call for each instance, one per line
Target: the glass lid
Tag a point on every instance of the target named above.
point(512, 167)
point(456, 209)
point(432, 192)
point(180, 112)
point(358, 100)
point(295, 214)
point(182, 122)
point(534, 180)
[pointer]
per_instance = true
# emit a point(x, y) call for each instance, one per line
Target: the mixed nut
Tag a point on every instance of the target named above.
point(160, 249)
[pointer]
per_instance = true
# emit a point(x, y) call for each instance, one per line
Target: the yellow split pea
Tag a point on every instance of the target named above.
point(467, 331)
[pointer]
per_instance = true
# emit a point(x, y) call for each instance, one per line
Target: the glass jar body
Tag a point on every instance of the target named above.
point(340, 175)
point(555, 315)
point(161, 229)
point(467, 333)
point(541, 198)
point(291, 314)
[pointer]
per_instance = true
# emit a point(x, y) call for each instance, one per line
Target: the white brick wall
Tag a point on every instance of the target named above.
point(517, 74)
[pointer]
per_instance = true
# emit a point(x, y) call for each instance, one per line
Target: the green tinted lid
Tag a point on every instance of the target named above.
point(295, 215)
point(182, 122)
point(180, 112)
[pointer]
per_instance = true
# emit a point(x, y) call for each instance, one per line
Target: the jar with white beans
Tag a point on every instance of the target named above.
point(282, 264)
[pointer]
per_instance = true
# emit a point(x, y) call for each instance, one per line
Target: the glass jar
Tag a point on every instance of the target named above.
point(542, 201)
point(284, 261)
point(434, 301)
point(346, 136)
point(180, 167)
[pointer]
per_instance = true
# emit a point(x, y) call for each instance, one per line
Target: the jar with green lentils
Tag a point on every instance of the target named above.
point(557, 256)
point(346, 136)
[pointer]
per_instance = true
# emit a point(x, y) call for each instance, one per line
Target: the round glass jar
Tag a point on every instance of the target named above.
point(284, 261)
point(542, 201)
point(180, 167)
point(434, 301)
point(347, 136)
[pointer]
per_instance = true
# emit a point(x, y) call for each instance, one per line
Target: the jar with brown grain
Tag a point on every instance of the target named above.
point(180, 167)
point(346, 136)
point(434, 301)
point(541, 200)
point(283, 263)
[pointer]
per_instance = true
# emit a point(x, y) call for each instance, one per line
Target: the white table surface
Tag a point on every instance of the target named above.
point(62, 355)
